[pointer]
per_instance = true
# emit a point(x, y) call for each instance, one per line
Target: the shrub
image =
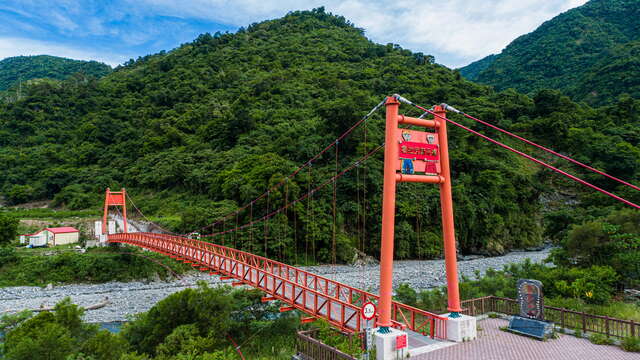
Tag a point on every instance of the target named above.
point(8, 228)
point(7, 255)
point(18, 194)
point(406, 295)
point(577, 332)
point(94, 266)
point(631, 344)
point(600, 339)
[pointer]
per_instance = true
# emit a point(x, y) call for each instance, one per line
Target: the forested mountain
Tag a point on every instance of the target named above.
point(474, 69)
point(589, 53)
point(24, 68)
point(201, 130)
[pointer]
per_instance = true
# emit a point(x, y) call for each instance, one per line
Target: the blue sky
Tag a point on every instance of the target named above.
point(456, 32)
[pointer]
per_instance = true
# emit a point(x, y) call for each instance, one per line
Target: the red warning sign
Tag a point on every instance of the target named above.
point(418, 152)
point(401, 342)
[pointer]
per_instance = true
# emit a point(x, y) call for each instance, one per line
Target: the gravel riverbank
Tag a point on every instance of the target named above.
point(135, 297)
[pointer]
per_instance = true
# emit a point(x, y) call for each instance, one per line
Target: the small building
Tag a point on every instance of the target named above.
point(51, 237)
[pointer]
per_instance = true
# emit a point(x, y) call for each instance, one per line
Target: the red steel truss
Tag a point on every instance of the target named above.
point(315, 295)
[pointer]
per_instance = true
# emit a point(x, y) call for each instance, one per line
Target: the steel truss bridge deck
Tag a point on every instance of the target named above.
point(317, 296)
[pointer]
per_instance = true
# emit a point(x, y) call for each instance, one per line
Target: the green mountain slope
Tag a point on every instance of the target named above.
point(474, 69)
point(569, 49)
point(24, 68)
point(200, 130)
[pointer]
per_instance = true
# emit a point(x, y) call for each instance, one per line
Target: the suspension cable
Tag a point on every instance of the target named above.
point(529, 157)
point(306, 248)
point(266, 227)
point(146, 218)
point(301, 167)
point(333, 243)
point(310, 193)
point(550, 151)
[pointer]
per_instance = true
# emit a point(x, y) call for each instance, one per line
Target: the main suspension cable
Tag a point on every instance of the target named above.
point(550, 151)
point(529, 157)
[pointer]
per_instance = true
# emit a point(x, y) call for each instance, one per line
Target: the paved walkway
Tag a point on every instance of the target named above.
point(495, 344)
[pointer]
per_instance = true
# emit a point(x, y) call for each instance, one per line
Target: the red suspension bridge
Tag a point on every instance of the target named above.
point(419, 156)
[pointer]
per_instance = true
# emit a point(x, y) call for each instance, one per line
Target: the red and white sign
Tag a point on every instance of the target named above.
point(421, 149)
point(368, 311)
point(418, 151)
point(401, 342)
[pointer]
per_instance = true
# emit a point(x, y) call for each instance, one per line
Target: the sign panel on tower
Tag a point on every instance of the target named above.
point(418, 152)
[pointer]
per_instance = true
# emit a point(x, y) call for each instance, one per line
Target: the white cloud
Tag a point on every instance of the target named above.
point(20, 46)
point(465, 29)
point(455, 31)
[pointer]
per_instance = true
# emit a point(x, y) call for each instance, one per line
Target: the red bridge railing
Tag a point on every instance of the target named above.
point(315, 295)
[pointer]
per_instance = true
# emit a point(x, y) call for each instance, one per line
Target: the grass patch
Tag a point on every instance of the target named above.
point(577, 332)
point(600, 339)
point(631, 344)
point(47, 213)
point(615, 309)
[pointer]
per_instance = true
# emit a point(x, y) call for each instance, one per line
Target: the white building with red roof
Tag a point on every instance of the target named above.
point(52, 236)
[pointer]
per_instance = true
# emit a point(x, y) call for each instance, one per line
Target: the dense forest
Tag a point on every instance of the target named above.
point(197, 132)
point(474, 69)
point(589, 53)
point(24, 68)
point(201, 323)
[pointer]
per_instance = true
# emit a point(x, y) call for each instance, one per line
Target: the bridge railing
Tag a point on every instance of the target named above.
point(310, 348)
point(565, 318)
point(316, 295)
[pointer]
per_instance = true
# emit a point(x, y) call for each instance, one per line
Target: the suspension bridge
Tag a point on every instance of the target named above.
point(409, 156)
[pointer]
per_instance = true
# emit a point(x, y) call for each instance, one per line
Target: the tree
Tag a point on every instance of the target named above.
point(39, 338)
point(105, 346)
point(8, 229)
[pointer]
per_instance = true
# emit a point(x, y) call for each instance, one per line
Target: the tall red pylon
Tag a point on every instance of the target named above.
point(115, 198)
point(415, 156)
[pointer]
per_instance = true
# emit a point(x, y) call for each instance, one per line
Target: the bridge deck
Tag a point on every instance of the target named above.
point(495, 344)
point(315, 295)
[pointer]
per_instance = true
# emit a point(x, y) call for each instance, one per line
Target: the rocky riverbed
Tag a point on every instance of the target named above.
point(130, 298)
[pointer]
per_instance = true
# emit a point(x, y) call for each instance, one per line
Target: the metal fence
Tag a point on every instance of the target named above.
point(309, 348)
point(565, 318)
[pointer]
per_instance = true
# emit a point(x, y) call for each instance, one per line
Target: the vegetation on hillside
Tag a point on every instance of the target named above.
point(8, 229)
point(202, 323)
point(203, 129)
point(14, 70)
point(97, 265)
point(589, 53)
point(474, 69)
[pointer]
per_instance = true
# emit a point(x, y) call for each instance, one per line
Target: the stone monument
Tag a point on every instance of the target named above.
point(530, 321)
